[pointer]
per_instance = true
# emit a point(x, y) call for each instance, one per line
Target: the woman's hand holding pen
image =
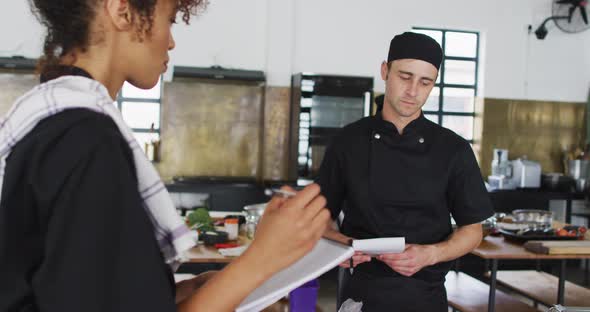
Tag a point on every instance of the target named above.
point(290, 227)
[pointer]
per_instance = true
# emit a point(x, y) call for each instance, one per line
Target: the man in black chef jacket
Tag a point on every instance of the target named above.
point(399, 174)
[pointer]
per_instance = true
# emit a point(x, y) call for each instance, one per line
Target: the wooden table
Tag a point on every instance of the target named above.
point(541, 287)
point(497, 248)
point(209, 254)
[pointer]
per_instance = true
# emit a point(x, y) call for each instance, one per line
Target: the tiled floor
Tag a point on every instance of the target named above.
point(327, 292)
point(328, 286)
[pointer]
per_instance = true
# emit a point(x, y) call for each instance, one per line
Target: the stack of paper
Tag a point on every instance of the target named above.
point(378, 246)
point(323, 257)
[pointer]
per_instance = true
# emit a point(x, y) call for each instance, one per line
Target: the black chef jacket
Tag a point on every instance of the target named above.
point(407, 185)
point(74, 235)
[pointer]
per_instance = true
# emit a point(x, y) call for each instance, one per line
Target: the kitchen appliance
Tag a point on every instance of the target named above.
point(500, 183)
point(558, 182)
point(320, 106)
point(501, 178)
point(579, 169)
point(500, 163)
point(526, 173)
point(565, 15)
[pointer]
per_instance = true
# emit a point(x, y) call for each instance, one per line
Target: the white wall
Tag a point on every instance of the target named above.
point(345, 37)
point(20, 33)
point(350, 37)
point(231, 33)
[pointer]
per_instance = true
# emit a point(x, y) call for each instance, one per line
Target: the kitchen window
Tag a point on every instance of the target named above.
point(141, 110)
point(452, 100)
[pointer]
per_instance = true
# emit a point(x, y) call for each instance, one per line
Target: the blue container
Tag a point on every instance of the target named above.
point(303, 299)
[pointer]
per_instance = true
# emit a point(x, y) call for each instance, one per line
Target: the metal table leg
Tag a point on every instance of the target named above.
point(587, 272)
point(561, 285)
point(492, 296)
point(568, 210)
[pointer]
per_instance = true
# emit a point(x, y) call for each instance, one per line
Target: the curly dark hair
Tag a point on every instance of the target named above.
point(68, 23)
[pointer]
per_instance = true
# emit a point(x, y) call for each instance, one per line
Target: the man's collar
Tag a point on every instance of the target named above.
point(415, 125)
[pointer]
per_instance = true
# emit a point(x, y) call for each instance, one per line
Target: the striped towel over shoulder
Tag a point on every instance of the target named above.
point(69, 92)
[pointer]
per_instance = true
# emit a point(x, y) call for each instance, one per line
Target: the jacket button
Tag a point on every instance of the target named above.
point(421, 140)
point(377, 136)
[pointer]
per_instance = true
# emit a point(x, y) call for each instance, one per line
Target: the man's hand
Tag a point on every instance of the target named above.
point(332, 234)
point(357, 259)
point(412, 260)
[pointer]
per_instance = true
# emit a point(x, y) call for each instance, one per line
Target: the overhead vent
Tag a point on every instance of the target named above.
point(17, 63)
point(219, 73)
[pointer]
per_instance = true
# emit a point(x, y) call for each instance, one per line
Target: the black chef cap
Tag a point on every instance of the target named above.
point(410, 45)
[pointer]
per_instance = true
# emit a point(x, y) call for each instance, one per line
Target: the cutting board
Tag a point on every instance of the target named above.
point(558, 247)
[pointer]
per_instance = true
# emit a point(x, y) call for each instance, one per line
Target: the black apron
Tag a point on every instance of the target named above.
point(395, 294)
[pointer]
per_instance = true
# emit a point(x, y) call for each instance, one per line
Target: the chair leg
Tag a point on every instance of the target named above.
point(343, 276)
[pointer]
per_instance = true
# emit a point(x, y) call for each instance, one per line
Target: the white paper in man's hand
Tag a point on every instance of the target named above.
point(378, 246)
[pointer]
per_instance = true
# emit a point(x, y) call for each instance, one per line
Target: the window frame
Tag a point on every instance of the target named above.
point(121, 99)
point(440, 113)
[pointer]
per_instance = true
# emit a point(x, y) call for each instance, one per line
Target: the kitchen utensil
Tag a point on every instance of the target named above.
point(253, 215)
point(578, 168)
point(561, 247)
point(514, 236)
point(211, 238)
point(279, 192)
point(581, 184)
point(558, 182)
point(489, 226)
point(537, 218)
point(241, 218)
point(232, 228)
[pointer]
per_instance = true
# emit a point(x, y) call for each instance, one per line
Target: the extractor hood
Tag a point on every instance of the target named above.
point(17, 62)
point(219, 73)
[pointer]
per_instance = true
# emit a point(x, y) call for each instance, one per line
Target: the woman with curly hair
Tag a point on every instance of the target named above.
point(85, 222)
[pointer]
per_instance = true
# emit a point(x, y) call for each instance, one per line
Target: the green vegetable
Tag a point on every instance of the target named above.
point(201, 220)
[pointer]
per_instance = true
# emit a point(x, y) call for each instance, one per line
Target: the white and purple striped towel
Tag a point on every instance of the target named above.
point(70, 92)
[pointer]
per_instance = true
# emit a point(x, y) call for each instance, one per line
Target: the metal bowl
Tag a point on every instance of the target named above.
point(255, 210)
point(490, 225)
point(537, 217)
point(253, 215)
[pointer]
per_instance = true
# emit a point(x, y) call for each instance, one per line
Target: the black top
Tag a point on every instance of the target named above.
point(389, 184)
point(73, 233)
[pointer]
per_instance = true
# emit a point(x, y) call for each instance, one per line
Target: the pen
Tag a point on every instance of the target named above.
point(350, 262)
point(282, 193)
